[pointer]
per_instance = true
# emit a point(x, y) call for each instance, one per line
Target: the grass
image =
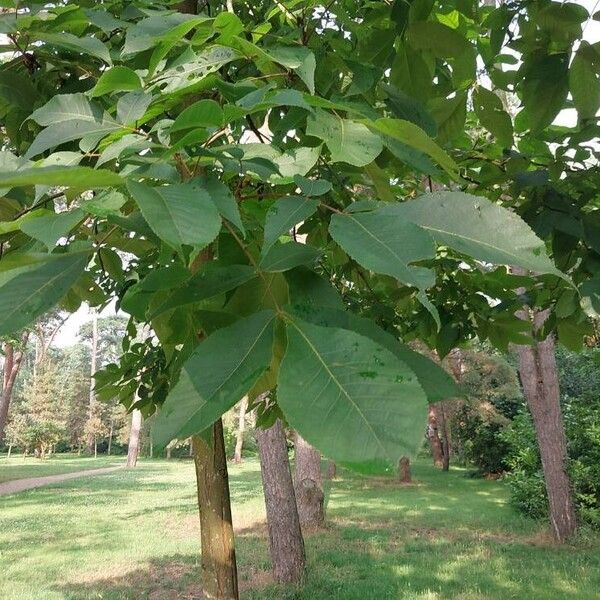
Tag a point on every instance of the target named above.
point(17, 467)
point(134, 535)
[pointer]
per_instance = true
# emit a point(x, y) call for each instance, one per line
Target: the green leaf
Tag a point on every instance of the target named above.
point(438, 39)
point(77, 177)
point(385, 245)
point(213, 279)
point(223, 199)
point(488, 107)
point(51, 227)
point(178, 214)
point(105, 204)
point(350, 397)
point(283, 215)
point(86, 45)
point(132, 107)
point(435, 381)
point(69, 117)
point(35, 286)
point(413, 136)
point(220, 371)
point(298, 58)
point(312, 187)
point(584, 81)
point(117, 79)
point(545, 89)
point(348, 141)
point(476, 227)
point(204, 113)
point(283, 257)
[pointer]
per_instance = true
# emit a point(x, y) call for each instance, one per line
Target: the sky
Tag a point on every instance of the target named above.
point(68, 334)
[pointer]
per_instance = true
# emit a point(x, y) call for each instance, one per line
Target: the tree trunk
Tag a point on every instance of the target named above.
point(537, 371)
point(239, 442)
point(12, 366)
point(133, 448)
point(404, 470)
point(286, 543)
point(168, 449)
point(110, 436)
point(445, 431)
point(308, 483)
point(331, 469)
point(95, 447)
point(9, 451)
point(93, 361)
point(219, 570)
point(434, 437)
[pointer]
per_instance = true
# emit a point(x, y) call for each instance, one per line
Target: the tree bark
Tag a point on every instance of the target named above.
point(219, 570)
point(434, 437)
point(286, 543)
point(110, 435)
point(239, 441)
point(537, 371)
point(12, 366)
point(404, 470)
point(133, 448)
point(93, 362)
point(331, 469)
point(308, 483)
point(445, 435)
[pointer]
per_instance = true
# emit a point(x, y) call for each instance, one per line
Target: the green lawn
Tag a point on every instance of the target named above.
point(134, 535)
point(17, 467)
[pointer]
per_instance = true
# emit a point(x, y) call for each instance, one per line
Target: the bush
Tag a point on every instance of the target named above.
point(582, 426)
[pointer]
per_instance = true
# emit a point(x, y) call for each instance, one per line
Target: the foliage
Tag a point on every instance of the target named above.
point(182, 143)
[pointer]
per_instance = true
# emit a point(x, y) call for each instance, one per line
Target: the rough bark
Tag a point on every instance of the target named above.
point(404, 470)
point(286, 543)
point(537, 371)
point(308, 483)
point(133, 448)
point(239, 441)
point(12, 365)
point(434, 437)
point(219, 570)
point(444, 430)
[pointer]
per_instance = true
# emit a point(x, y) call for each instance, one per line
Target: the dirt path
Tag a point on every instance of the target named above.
point(20, 485)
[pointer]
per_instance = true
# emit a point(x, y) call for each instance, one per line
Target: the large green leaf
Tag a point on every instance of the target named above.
point(220, 371)
point(385, 245)
point(350, 397)
point(283, 215)
point(348, 141)
point(298, 58)
point(435, 381)
point(79, 177)
point(49, 228)
point(283, 257)
point(35, 285)
point(584, 80)
point(204, 113)
point(492, 115)
point(213, 279)
point(178, 214)
point(410, 134)
point(69, 117)
point(88, 44)
point(223, 199)
point(117, 79)
point(476, 227)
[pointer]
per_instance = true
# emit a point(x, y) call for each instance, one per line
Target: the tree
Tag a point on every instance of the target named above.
point(347, 105)
point(308, 483)
point(239, 442)
point(13, 357)
point(286, 543)
point(133, 447)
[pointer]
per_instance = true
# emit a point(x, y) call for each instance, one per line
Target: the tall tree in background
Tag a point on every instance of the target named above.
point(93, 409)
point(239, 436)
point(13, 357)
point(133, 446)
